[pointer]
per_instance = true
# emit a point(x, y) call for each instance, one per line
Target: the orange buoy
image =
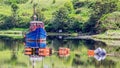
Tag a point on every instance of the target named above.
point(91, 53)
point(28, 51)
point(44, 52)
point(64, 52)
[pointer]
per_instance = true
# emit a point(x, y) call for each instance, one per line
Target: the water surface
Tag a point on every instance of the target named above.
point(12, 54)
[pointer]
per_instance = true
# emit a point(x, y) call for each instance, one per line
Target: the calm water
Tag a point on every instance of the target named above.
point(12, 54)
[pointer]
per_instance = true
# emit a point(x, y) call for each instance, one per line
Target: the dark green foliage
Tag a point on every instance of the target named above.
point(14, 57)
point(99, 9)
point(8, 23)
point(78, 11)
point(74, 1)
point(14, 20)
point(111, 21)
point(54, 1)
point(14, 8)
point(9, 2)
point(68, 18)
point(69, 6)
point(44, 9)
point(75, 25)
point(14, 16)
point(49, 27)
point(60, 19)
point(118, 49)
point(78, 4)
point(22, 1)
point(23, 22)
point(2, 17)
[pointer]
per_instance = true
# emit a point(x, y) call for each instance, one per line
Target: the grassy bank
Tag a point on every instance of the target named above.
point(12, 33)
point(108, 35)
point(16, 33)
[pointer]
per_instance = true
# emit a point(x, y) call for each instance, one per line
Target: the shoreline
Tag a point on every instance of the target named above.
point(109, 35)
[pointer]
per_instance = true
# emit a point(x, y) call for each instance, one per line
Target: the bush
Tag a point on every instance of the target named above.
point(78, 11)
point(60, 19)
point(99, 9)
point(78, 4)
point(77, 26)
point(69, 6)
point(8, 23)
point(9, 2)
point(54, 1)
point(111, 21)
point(14, 8)
point(23, 22)
point(40, 15)
point(21, 1)
point(49, 28)
point(44, 9)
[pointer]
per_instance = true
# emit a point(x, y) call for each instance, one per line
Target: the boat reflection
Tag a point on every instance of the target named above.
point(78, 57)
point(99, 54)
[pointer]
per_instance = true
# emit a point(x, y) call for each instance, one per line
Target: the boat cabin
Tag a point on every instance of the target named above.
point(36, 24)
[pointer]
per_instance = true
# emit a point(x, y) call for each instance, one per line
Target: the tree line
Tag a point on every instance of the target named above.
point(104, 15)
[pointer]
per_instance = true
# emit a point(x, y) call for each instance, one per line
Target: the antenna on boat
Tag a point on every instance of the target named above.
point(35, 17)
point(34, 12)
point(38, 8)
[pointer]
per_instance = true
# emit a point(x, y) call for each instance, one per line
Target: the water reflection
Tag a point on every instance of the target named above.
point(11, 52)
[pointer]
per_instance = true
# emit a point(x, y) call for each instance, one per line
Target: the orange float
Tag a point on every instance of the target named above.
point(64, 52)
point(91, 53)
point(28, 51)
point(44, 52)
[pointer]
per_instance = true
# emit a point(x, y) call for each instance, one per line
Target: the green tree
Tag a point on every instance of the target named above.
point(21, 1)
point(40, 15)
point(99, 9)
point(69, 6)
point(14, 14)
point(78, 4)
point(60, 19)
point(11, 21)
point(110, 21)
point(14, 8)
point(75, 25)
point(54, 1)
point(7, 24)
point(9, 2)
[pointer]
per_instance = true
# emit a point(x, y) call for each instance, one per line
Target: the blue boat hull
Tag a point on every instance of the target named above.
point(33, 38)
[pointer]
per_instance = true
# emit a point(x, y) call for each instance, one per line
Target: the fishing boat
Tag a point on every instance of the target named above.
point(35, 40)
